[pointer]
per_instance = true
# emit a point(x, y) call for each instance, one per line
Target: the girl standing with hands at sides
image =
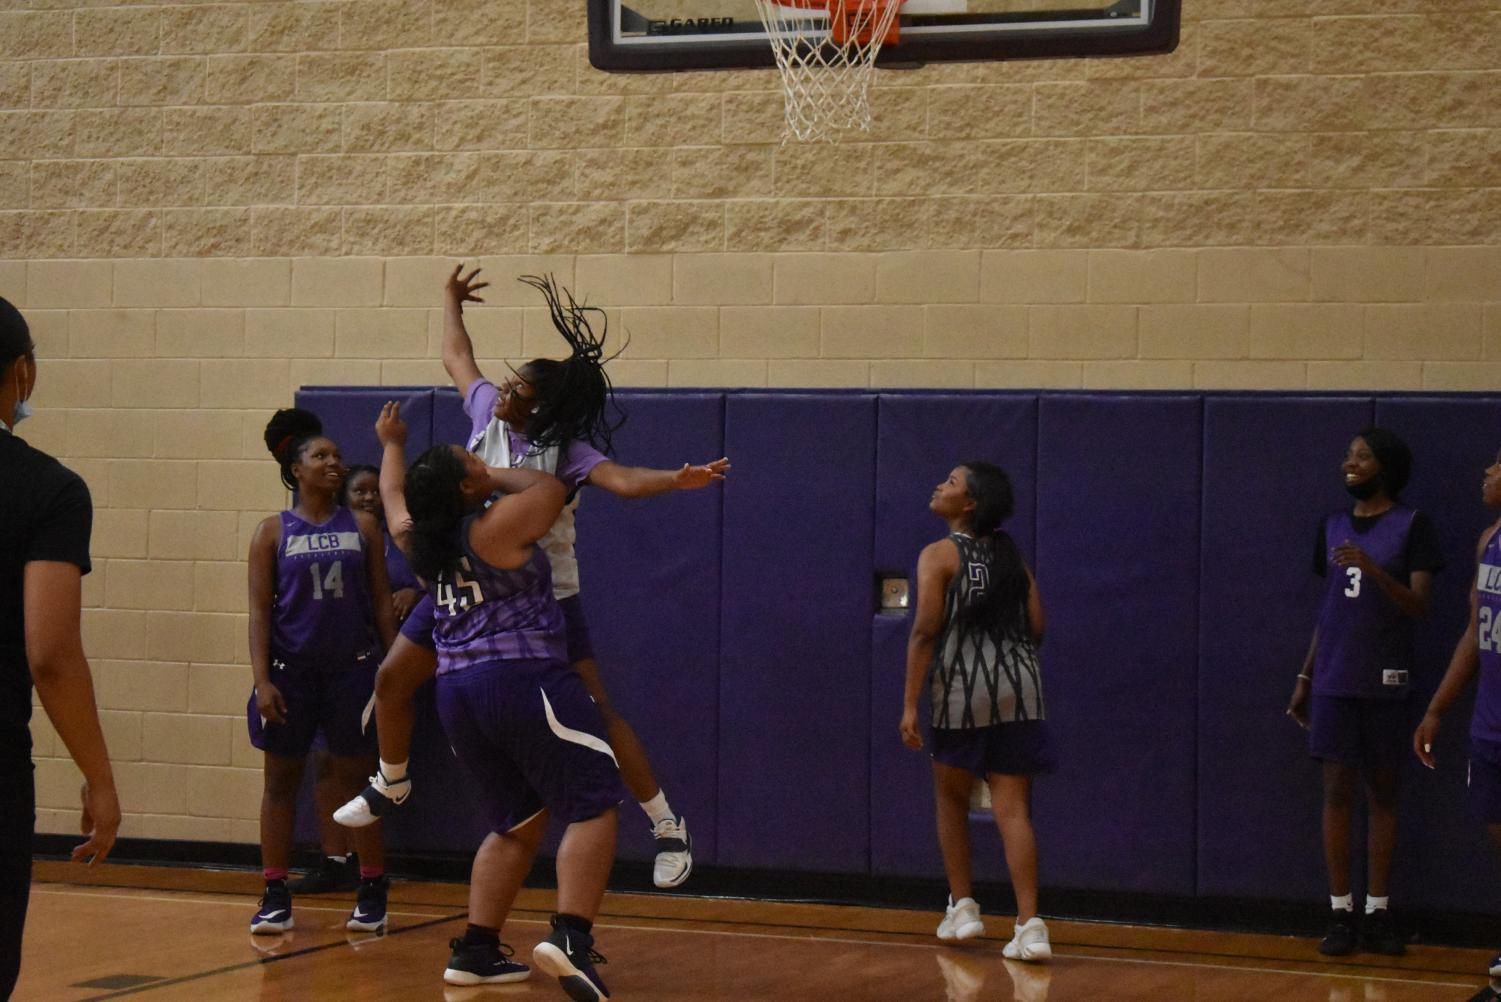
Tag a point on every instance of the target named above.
point(1379, 557)
point(550, 416)
point(1478, 651)
point(974, 641)
point(516, 714)
point(339, 869)
point(320, 616)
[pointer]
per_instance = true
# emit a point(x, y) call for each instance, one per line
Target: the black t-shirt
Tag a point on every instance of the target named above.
point(1423, 550)
point(45, 514)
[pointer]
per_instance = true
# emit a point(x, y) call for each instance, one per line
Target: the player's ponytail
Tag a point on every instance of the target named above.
point(1004, 603)
point(436, 508)
point(572, 394)
point(286, 433)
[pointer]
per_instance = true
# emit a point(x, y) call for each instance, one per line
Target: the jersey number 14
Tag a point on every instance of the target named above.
point(331, 584)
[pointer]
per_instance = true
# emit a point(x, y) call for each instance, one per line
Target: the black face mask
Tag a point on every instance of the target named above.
point(1364, 490)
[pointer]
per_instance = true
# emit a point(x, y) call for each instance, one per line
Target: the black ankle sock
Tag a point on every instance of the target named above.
point(481, 935)
point(575, 923)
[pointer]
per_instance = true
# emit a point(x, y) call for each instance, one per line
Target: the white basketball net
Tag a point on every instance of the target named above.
point(826, 82)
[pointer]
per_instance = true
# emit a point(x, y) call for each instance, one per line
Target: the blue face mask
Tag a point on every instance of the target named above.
point(24, 410)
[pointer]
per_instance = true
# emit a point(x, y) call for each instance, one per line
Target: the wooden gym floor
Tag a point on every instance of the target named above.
point(158, 933)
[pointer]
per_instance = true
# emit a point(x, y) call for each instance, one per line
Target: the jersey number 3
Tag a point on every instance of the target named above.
point(1353, 588)
point(459, 594)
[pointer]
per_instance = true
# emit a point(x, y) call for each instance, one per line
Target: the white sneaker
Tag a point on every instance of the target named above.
point(376, 800)
point(961, 920)
point(1029, 942)
point(674, 852)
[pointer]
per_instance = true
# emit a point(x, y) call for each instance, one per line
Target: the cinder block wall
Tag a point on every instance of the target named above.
point(203, 206)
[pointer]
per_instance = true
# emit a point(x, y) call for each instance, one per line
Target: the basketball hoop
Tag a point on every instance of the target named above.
point(826, 51)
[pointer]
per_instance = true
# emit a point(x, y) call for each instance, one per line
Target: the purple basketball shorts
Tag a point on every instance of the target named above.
point(418, 626)
point(330, 698)
point(576, 630)
point(1484, 781)
point(531, 739)
point(1349, 730)
point(1022, 748)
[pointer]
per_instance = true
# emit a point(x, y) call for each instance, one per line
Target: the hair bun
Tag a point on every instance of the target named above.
point(288, 425)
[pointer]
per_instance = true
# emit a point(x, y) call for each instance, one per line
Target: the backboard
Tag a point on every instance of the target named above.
point(708, 34)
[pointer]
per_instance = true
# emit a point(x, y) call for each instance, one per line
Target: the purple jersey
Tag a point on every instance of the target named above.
point(398, 571)
point(485, 613)
point(321, 609)
point(1486, 724)
point(1365, 645)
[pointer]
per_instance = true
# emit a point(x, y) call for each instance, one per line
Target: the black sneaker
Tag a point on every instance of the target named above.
point(1341, 938)
point(1377, 934)
point(369, 913)
point(275, 914)
point(569, 956)
point(1486, 994)
point(329, 875)
point(483, 964)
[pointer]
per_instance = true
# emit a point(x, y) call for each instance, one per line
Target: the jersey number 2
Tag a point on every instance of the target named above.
point(332, 583)
point(1490, 630)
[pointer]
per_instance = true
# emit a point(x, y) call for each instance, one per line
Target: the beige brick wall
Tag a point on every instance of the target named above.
point(203, 206)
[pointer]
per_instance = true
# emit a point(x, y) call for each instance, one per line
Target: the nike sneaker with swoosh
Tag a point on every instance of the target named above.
point(569, 956)
point(275, 914)
point(369, 913)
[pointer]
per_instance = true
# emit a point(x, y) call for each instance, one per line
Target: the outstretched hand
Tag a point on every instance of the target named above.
point(461, 288)
point(691, 478)
point(390, 429)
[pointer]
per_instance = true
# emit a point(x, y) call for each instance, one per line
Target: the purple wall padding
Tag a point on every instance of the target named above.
point(1117, 563)
point(794, 705)
point(1443, 858)
point(1271, 472)
point(649, 572)
point(737, 628)
point(919, 439)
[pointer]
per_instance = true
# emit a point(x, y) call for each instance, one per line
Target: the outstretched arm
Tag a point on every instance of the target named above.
point(643, 482)
point(458, 349)
point(391, 430)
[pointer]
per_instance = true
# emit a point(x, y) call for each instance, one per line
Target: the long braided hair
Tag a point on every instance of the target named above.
point(573, 393)
point(1004, 604)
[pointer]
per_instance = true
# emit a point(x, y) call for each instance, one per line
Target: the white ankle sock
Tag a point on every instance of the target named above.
point(1342, 902)
point(1375, 904)
point(394, 772)
point(656, 808)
